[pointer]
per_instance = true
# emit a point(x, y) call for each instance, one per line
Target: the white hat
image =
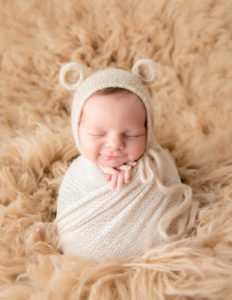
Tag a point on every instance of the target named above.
point(73, 77)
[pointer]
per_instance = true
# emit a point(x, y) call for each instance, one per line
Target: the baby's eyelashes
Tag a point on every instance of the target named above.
point(133, 135)
point(96, 134)
point(124, 135)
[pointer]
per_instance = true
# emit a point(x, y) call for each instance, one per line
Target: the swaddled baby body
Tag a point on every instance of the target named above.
point(112, 127)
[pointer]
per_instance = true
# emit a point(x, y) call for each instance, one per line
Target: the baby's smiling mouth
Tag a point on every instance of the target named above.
point(113, 161)
point(112, 157)
point(109, 156)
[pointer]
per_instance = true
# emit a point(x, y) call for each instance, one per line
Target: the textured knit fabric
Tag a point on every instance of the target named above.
point(95, 222)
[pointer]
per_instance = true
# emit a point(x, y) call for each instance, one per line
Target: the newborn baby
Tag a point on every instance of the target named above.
point(112, 132)
point(112, 125)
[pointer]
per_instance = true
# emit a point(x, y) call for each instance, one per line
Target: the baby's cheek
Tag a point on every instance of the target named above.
point(138, 149)
point(94, 147)
point(87, 147)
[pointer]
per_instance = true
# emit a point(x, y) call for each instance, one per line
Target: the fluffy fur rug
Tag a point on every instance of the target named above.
point(191, 42)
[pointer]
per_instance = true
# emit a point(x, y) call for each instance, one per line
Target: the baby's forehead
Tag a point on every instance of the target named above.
point(113, 96)
point(121, 104)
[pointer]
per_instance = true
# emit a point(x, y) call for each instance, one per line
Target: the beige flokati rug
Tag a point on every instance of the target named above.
point(192, 43)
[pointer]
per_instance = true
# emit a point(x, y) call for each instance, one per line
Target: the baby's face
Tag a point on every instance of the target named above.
point(112, 129)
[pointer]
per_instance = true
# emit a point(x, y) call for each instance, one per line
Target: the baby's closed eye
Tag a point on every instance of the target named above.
point(133, 135)
point(96, 134)
point(123, 135)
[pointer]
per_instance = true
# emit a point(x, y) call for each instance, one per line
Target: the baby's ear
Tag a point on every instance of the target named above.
point(71, 75)
point(146, 69)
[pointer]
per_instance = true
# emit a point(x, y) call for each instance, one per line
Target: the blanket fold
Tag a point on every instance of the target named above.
point(96, 222)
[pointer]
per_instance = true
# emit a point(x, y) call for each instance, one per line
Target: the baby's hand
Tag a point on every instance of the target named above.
point(119, 176)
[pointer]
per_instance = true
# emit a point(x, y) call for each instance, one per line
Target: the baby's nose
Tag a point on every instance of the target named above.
point(115, 142)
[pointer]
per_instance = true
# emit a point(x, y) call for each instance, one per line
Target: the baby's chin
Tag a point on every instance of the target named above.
point(113, 164)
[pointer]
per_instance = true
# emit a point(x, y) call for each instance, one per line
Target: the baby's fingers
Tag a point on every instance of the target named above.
point(132, 163)
point(124, 168)
point(120, 181)
point(108, 177)
point(108, 170)
point(114, 181)
point(127, 175)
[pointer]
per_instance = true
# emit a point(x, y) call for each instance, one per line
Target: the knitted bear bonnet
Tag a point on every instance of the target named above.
point(73, 76)
point(150, 169)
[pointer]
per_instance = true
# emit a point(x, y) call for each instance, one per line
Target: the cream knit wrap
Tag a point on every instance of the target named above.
point(94, 221)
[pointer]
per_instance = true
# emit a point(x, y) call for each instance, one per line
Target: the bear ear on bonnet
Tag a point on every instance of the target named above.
point(72, 74)
point(146, 69)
